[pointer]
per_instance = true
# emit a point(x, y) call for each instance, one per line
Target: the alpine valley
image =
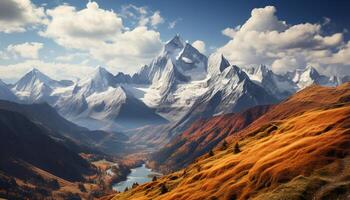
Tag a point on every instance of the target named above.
point(215, 130)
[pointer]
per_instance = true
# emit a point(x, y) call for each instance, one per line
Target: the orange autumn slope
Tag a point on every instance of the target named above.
point(297, 150)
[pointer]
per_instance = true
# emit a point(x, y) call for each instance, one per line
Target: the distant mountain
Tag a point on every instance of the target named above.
point(57, 126)
point(6, 93)
point(282, 86)
point(309, 76)
point(37, 87)
point(279, 86)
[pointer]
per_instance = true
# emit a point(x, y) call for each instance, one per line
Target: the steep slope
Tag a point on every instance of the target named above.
point(217, 63)
point(310, 98)
point(201, 137)
point(299, 153)
point(24, 141)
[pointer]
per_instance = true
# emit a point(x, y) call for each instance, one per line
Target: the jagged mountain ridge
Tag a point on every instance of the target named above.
point(177, 86)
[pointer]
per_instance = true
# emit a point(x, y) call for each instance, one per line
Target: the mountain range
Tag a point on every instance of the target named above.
point(217, 131)
point(178, 87)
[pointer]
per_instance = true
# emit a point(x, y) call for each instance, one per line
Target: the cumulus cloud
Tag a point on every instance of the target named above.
point(199, 45)
point(25, 50)
point(102, 34)
point(264, 39)
point(90, 26)
point(156, 19)
point(18, 15)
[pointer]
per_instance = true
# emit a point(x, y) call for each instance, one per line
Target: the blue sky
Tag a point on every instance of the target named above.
point(194, 20)
point(204, 19)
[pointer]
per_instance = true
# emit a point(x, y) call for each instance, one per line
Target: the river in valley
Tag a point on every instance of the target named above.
point(138, 175)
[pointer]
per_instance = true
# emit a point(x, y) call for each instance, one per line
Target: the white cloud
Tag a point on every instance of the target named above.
point(172, 24)
point(264, 39)
point(25, 50)
point(156, 19)
point(230, 32)
point(90, 26)
point(144, 16)
point(65, 58)
point(18, 15)
point(199, 45)
point(101, 33)
point(128, 11)
point(69, 57)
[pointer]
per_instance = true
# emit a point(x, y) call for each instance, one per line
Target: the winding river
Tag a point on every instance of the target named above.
point(140, 175)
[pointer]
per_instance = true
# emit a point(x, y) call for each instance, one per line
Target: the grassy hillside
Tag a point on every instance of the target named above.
point(298, 150)
point(201, 137)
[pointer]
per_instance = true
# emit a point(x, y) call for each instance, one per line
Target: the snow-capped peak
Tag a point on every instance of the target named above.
point(34, 78)
point(35, 73)
point(306, 77)
point(100, 73)
point(191, 63)
point(35, 86)
point(217, 63)
point(258, 73)
point(312, 72)
point(98, 81)
point(175, 43)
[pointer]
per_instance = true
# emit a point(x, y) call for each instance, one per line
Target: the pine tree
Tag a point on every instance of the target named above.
point(211, 153)
point(224, 145)
point(163, 189)
point(236, 149)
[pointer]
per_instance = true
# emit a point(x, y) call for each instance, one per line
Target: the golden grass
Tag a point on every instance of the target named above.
point(305, 156)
